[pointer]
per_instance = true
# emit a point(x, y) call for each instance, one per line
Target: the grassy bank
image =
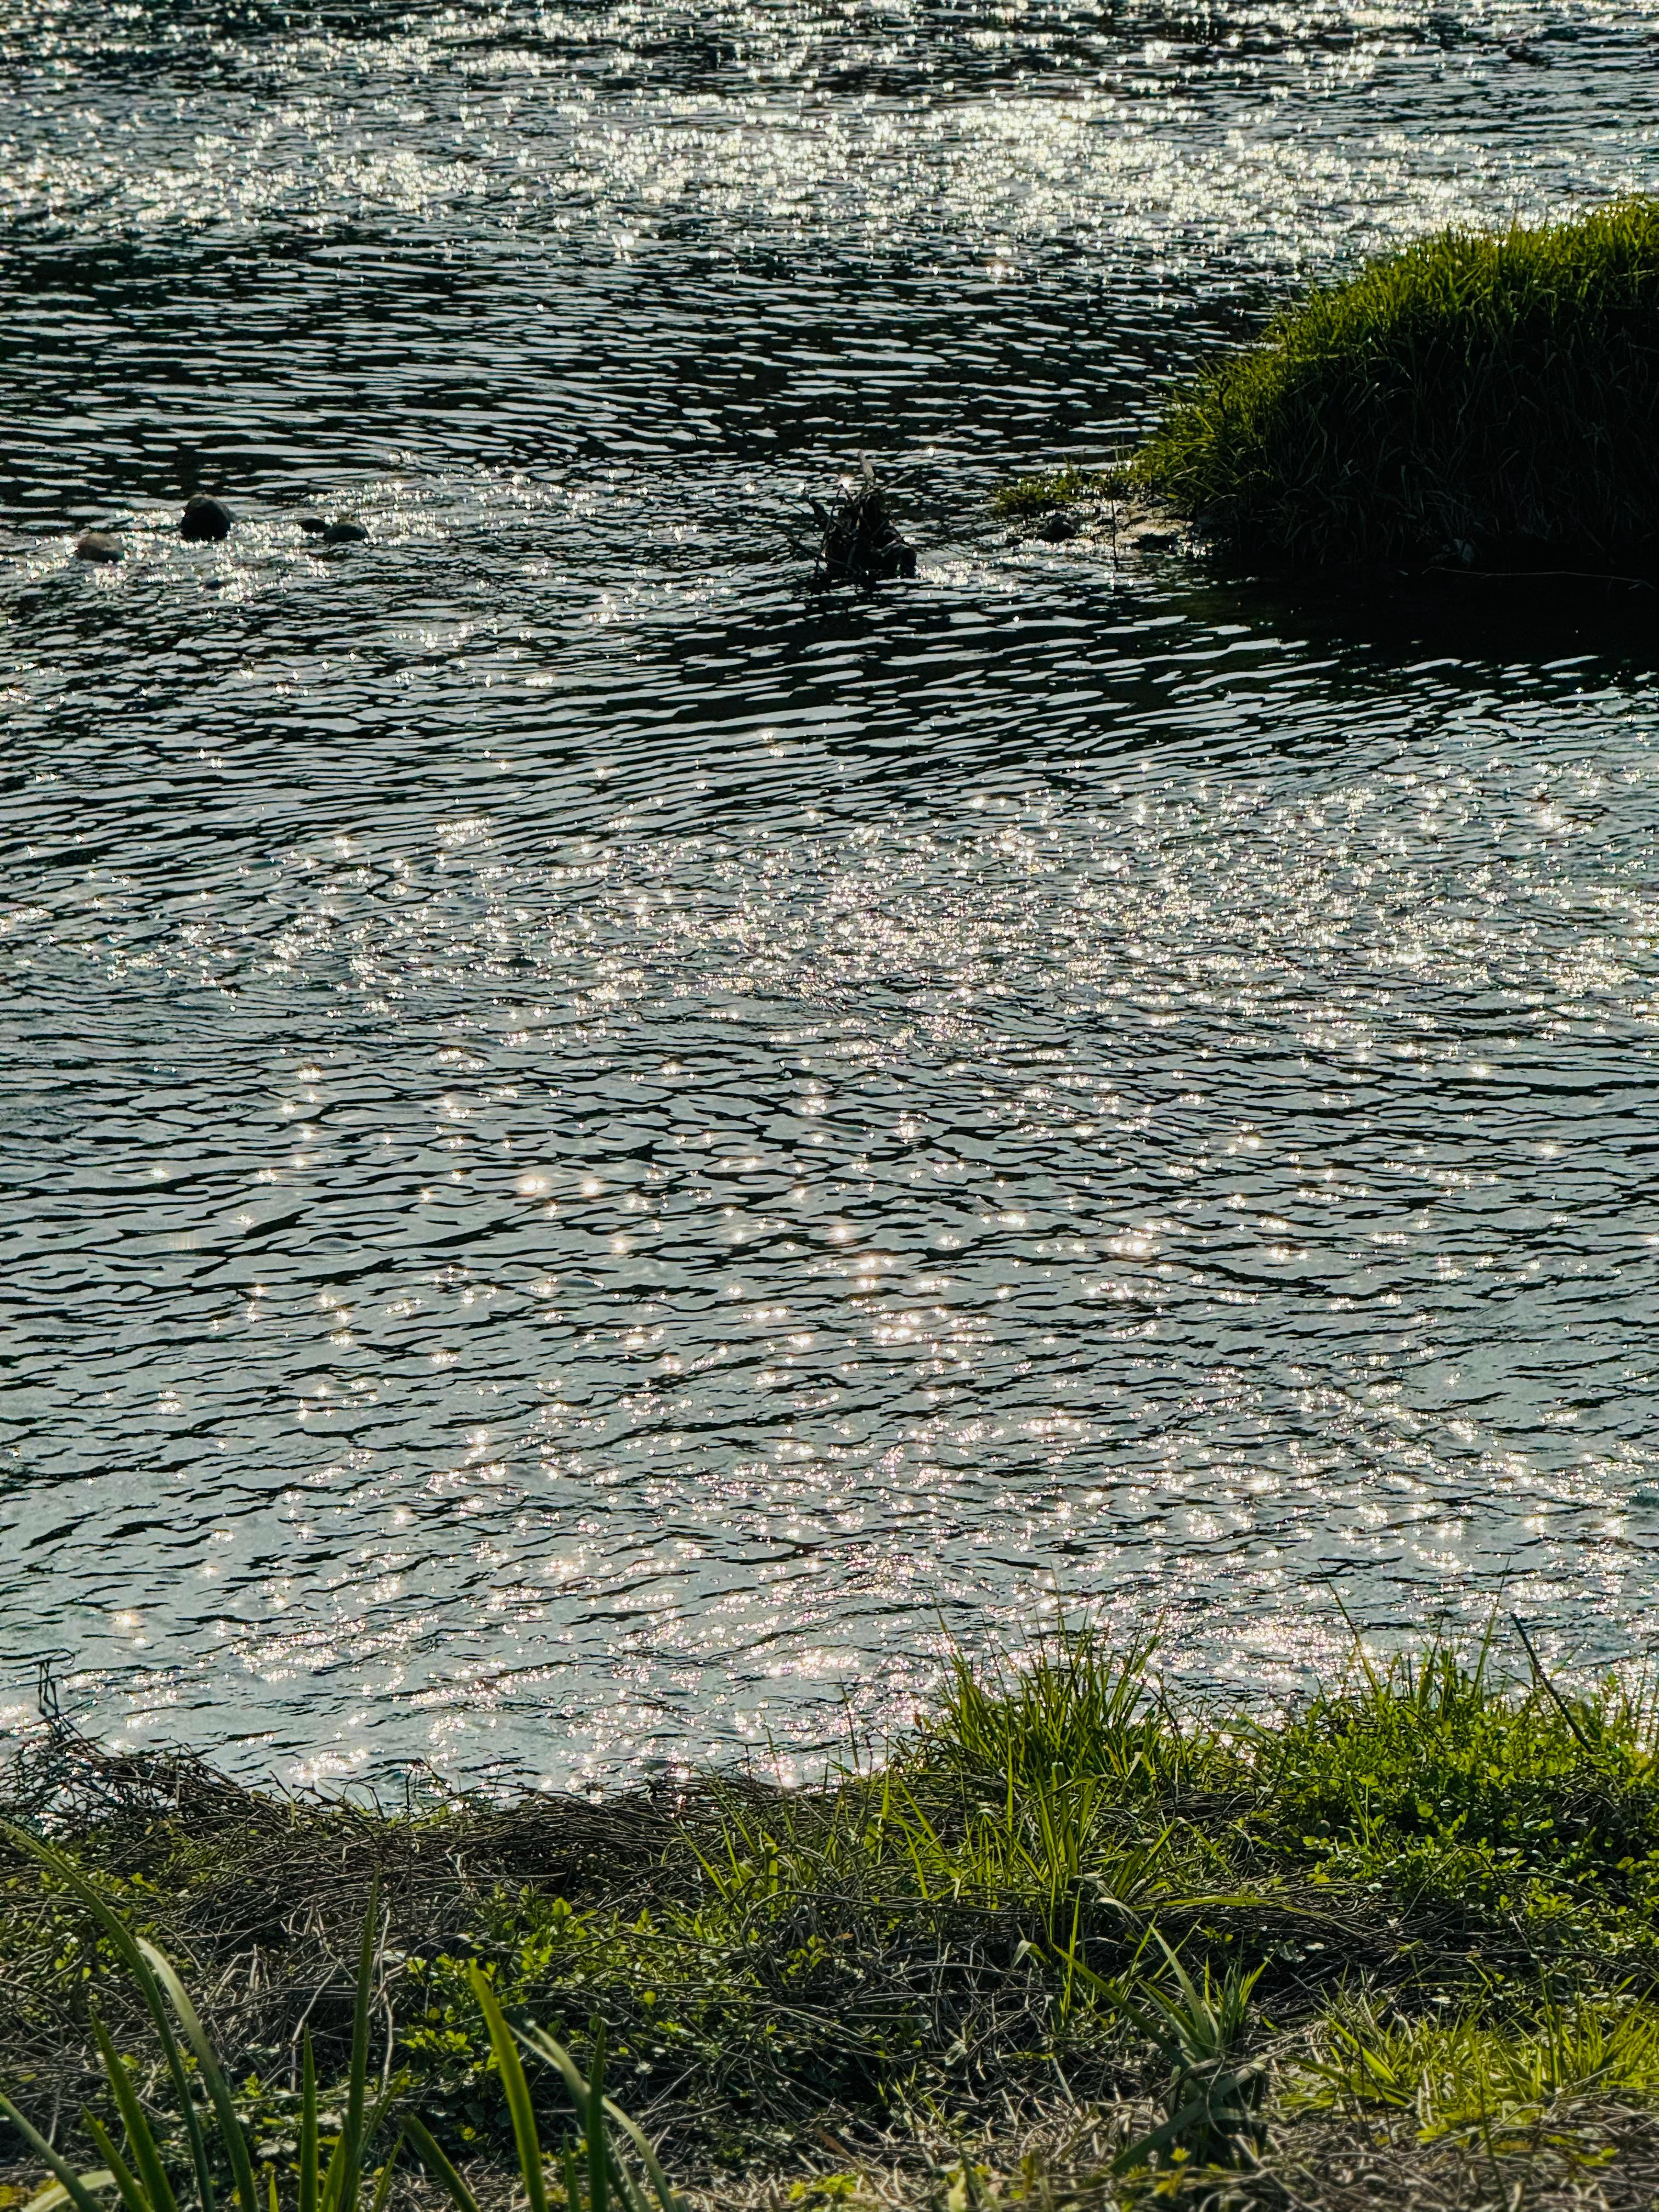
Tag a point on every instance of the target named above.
point(1072, 1943)
point(1474, 400)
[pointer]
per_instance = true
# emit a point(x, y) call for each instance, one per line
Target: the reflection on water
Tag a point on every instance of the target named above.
point(595, 1155)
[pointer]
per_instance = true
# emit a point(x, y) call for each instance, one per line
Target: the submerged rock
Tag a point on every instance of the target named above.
point(341, 531)
point(100, 545)
point(204, 520)
point(861, 544)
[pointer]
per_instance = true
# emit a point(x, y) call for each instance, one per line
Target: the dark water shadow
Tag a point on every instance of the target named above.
point(1478, 616)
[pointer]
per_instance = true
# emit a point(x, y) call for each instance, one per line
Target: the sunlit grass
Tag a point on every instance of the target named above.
point(1063, 1881)
point(1470, 400)
point(1434, 1779)
point(1467, 2075)
point(1039, 495)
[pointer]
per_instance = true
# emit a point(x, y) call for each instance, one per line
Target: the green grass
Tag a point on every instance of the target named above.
point(1462, 2076)
point(325, 2173)
point(1072, 1937)
point(1473, 400)
point(1056, 488)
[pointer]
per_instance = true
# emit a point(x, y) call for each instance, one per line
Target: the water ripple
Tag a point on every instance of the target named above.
point(595, 1155)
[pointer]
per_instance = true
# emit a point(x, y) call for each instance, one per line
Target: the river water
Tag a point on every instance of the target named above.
point(597, 1155)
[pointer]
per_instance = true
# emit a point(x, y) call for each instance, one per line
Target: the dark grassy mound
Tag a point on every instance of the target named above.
point(1069, 1948)
point(1481, 401)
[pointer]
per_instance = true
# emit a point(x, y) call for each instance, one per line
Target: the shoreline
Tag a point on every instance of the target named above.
point(1476, 406)
point(1065, 1907)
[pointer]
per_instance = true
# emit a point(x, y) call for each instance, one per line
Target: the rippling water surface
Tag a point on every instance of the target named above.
point(595, 1154)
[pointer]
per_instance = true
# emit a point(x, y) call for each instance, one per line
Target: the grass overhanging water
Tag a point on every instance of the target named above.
point(1471, 401)
point(1071, 1941)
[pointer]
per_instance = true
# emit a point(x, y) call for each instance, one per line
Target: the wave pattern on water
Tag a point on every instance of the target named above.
point(593, 1155)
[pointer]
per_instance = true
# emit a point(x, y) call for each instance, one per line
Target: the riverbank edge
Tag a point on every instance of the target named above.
point(1072, 1940)
point(1475, 401)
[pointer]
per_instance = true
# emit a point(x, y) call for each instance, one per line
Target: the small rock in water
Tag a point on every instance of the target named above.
point(204, 520)
point(338, 532)
point(860, 545)
point(100, 545)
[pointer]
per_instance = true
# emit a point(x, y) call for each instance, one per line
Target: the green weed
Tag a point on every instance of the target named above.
point(1040, 495)
point(1497, 2080)
point(1429, 1782)
point(1212, 2104)
point(1471, 398)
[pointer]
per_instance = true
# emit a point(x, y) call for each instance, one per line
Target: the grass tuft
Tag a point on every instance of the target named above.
point(1464, 2074)
point(1074, 1942)
point(1057, 488)
point(1472, 399)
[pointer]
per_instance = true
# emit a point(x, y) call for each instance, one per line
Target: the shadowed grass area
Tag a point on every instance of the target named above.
point(1476, 399)
point(1071, 1941)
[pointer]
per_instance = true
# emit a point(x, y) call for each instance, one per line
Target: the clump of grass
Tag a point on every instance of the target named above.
point(1059, 1914)
point(1201, 2029)
point(1057, 488)
point(1467, 2074)
point(1431, 1782)
point(1474, 398)
point(1079, 1709)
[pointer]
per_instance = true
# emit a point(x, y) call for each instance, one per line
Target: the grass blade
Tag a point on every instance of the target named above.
point(140, 2141)
point(383, 2186)
point(538, 2040)
point(331, 2188)
point(230, 2128)
point(432, 2157)
point(518, 2091)
point(310, 2158)
point(599, 2163)
point(652, 2165)
point(546, 2047)
point(1543, 1679)
point(132, 2194)
point(352, 2140)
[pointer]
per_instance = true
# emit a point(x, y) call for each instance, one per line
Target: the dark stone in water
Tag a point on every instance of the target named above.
point(333, 533)
point(204, 520)
point(861, 544)
point(100, 545)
